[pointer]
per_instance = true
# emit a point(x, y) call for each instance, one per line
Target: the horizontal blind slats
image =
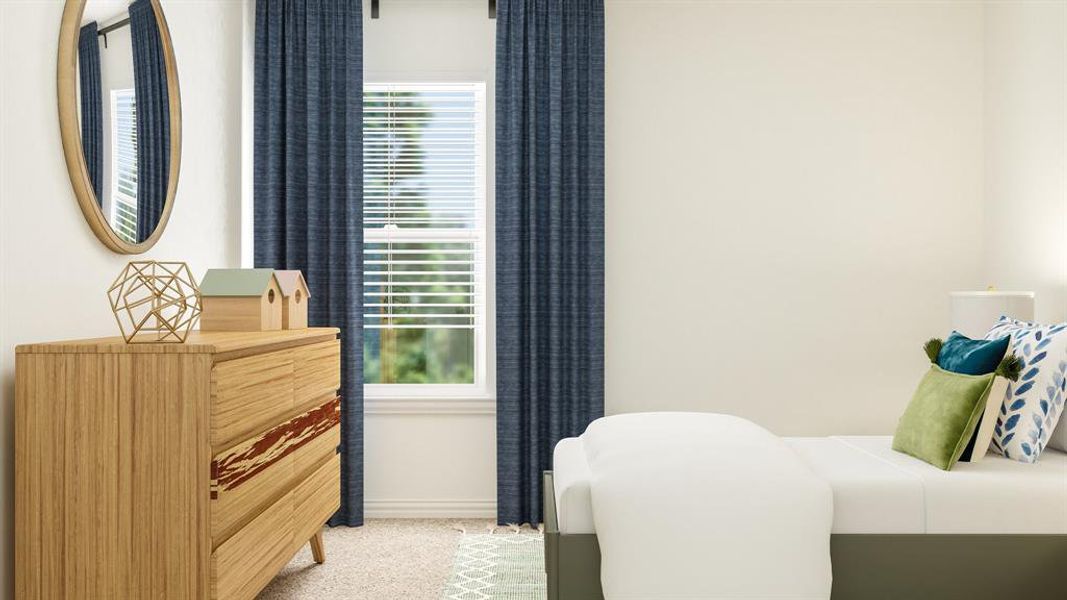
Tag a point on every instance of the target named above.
point(424, 206)
point(124, 165)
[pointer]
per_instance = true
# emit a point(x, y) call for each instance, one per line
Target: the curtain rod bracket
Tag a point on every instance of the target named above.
point(374, 9)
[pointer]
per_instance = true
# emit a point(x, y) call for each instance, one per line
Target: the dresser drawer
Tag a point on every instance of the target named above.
point(316, 499)
point(249, 395)
point(249, 475)
point(246, 562)
point(252, 394)
point(317, 371)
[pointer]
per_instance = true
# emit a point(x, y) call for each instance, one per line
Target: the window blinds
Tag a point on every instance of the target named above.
point(424, 206)
point(124, 164)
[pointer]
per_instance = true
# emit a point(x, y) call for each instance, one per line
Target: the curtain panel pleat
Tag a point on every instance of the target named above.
point(549, 238)
point(153, 117)
point(92, 109)
point(308, 184)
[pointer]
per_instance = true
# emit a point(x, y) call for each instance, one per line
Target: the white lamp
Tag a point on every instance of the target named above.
point(974, 313)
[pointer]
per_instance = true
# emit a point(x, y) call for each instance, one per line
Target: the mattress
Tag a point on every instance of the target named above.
point(877, 490)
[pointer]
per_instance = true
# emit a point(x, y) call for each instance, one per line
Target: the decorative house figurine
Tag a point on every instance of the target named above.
point(295, 296)
point(240, 300)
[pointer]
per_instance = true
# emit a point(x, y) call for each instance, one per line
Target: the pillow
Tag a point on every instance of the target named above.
point(1032, 406)
point(942, 415)
point(982, 439)
point(961, 354)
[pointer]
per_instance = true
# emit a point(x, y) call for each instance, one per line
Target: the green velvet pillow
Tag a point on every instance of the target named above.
point(942, 416)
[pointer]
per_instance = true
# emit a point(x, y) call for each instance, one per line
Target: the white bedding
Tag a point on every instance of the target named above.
point(690, 505)
point(870, 495)
point(877, 490)
point(994, 495)
point(570, 478)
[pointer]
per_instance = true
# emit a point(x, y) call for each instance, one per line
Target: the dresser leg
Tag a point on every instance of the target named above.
point(318, 551)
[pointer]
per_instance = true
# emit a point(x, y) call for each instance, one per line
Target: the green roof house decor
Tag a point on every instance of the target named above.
point(295, 294)
point(241, 300)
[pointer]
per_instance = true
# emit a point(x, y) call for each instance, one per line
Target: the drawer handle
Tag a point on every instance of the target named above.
point(250, 458)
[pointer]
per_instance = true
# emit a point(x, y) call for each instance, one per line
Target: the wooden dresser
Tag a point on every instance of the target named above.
point(191, 470)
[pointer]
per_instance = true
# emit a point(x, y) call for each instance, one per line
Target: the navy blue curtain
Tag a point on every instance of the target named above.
point(308, 184)
point(549, 238)
point(92, 110)
point(153, 117)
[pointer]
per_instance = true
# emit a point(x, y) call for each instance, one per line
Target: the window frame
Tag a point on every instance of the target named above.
point(420, 397)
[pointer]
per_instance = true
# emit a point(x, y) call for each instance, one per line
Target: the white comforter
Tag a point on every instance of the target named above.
point(691, 505)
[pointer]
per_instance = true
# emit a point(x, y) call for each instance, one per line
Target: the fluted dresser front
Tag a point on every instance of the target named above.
point(191, 470)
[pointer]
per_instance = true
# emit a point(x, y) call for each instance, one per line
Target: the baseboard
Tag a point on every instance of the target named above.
point(429, 509)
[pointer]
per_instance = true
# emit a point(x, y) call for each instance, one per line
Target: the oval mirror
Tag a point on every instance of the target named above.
point(120, 118)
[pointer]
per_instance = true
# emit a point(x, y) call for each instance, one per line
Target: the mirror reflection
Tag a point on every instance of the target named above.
point(124, 112)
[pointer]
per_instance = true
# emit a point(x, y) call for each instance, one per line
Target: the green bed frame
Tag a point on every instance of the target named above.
point(865, 566)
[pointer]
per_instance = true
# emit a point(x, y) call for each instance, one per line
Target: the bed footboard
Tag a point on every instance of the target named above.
point(572, 561)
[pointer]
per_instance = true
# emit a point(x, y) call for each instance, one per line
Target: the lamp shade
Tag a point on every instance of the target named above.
point(975, 313)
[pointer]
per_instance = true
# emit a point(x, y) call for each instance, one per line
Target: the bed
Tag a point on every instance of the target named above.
point(901, 528)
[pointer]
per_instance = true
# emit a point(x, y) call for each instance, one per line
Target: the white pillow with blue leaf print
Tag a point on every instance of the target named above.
point(1033, 404)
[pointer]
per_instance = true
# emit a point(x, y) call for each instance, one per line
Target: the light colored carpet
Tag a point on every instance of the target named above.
point(386, 559)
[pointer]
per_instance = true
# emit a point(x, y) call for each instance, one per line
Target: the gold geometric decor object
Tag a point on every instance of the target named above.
point(155, 301)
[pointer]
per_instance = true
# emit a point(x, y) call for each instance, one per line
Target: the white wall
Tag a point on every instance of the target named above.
point(1026, 151)
point(53, 272)
point(818, 175)
point(431, 458)
point(792, 191)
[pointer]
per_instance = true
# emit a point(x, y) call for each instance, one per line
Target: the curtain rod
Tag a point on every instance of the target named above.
point(103, 32)
point(374, 9)
point(114, 26)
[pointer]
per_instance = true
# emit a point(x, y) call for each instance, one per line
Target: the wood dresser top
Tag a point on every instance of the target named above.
point(213, 342)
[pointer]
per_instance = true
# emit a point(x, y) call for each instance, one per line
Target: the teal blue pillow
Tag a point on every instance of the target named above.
point(961, 354)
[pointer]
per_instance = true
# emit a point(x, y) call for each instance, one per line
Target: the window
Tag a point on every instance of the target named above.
point(123, 217)
point(424, 218)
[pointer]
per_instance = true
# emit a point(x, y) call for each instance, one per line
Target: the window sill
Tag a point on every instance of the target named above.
point(429, 406)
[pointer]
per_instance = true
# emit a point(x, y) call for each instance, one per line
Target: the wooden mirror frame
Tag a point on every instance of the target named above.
point(67, 91)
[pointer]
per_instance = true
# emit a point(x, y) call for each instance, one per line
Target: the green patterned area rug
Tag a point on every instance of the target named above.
point(500, 566)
